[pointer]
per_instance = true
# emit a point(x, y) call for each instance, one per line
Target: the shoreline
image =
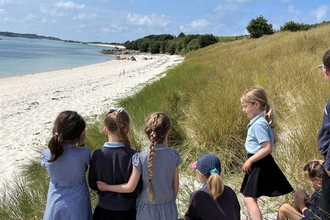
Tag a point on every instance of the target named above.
point(29, 103)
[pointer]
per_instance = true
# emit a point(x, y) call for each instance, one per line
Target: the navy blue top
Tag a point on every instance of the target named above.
point(112, 164)
point(203, 207)
point(313, 206)
point(324, 136)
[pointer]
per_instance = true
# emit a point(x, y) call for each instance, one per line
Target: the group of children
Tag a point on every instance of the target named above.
point(144, 185)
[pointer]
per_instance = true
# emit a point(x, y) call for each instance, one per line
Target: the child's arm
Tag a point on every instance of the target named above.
point(263, 152)
point(122, 188)
point(176, 182)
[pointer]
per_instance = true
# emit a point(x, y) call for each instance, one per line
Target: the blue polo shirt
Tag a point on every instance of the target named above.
point(259, 131)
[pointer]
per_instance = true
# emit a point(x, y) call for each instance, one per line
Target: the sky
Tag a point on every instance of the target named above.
point(118, 21)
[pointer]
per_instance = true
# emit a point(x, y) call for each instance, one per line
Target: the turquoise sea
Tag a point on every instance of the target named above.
point(20, 56)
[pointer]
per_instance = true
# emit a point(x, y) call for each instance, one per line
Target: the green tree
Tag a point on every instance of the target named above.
point(170, 48)
point(181, 35)
point(293, 26)
point(206, 40)
point(154, 47)
point(144, 45)
point(259, 27)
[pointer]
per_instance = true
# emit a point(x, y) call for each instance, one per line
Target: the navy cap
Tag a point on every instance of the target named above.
point(206, 163)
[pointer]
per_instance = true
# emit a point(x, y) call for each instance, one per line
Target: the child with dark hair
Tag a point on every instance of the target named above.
point(213, 200)
point(159, 167)
point(66, 161)
point(112, 164)
point(305, 207)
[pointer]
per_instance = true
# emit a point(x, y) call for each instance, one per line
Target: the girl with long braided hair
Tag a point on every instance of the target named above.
point(112, 163)
point(159, 167)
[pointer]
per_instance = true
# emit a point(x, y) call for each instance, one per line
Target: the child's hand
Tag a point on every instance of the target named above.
point(247, 167)
point(102, 186)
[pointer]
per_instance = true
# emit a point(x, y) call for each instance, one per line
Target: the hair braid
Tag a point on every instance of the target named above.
point(152, 138)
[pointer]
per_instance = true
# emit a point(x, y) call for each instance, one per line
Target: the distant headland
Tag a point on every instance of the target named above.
point(35, 36)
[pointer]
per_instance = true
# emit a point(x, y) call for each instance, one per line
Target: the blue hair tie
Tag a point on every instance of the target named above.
point(214, 170)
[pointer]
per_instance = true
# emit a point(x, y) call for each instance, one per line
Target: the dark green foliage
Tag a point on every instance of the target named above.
point(144, 46)
point(166, 43)
point(154, 47)
point(259, 27)
point(294, 26)
point(206, 40)
point(181, 35)
point(170, 48)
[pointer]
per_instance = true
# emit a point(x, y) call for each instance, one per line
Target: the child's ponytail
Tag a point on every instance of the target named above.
point(55, 147)
point(215, 184)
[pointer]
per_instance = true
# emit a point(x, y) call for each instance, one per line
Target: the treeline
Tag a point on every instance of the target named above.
point(259, 26)
point(166, 43)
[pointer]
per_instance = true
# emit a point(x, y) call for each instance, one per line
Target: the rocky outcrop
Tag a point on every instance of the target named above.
point(117, 51)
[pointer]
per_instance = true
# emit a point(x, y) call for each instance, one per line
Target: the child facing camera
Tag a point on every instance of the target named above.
point(306, 207)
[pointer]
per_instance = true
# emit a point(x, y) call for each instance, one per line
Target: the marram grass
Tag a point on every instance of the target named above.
point(202, 97)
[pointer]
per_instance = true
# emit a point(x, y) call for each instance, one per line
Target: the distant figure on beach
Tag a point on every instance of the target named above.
point(306, 207)
point(324, 142)
point(159, 166)
point(262, 175)
point(66, 161)
point(112, 163)
point(213, 200)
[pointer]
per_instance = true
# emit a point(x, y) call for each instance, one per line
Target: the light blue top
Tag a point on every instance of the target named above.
point(259, 131)
point(166, 160)
point(68, 196)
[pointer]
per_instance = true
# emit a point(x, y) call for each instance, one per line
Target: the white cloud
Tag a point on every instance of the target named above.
point(43, 9)
point(79, 17)
point(3, 2)
point(2, 11)
point(199, 24)
point(320, 13)
point(291, 9)
point(148, 20)
point(29, 17)
point(69, 5)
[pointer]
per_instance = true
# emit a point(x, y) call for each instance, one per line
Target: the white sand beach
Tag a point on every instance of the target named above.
point(30, 103)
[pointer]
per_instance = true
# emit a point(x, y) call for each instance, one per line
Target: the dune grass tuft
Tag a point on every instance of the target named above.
point(201, 96)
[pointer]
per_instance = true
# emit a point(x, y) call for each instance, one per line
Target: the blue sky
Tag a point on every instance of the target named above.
point(122, 20)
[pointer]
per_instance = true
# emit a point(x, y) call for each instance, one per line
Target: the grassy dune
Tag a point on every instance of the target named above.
point(202, 97)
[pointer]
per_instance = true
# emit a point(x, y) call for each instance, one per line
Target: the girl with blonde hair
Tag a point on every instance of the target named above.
point(213, 200)
point(159, 167)
point(262, 175)
point(112, 163)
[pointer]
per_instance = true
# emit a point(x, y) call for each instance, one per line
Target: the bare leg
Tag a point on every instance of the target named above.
point(253, 208)
point(287, 211)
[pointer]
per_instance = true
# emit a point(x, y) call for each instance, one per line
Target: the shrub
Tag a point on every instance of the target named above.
point(259, 26)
